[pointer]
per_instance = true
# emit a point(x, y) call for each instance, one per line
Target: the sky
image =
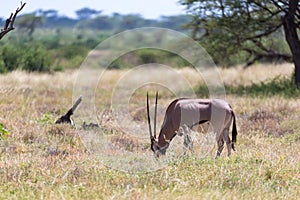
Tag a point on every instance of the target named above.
point(151, 9)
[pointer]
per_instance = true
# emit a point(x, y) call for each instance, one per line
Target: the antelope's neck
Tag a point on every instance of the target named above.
point(165, 137)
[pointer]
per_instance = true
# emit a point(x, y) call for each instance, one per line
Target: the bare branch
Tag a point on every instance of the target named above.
point(265, 53)
point(252, 61)
point(263, 7)
point(273, 56)
point(279, 6)
point(9, 24)
point(261, 46)
point(266, 33)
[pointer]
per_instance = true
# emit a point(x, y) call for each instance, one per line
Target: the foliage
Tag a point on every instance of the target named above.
point(277, 86)
point(29, 57)
point(66, 42)
point(2, 67)
point(86, 13)
point(146, 56)
point(49, 50)
point(228, 28)
point(46, 118)
point(48, 42)
point(176, 22)
point(4, 133)
point(72, 50)
point(30, 22)
point(92, 19)
point(10, 57)
point(98, 23)
point(35, 58)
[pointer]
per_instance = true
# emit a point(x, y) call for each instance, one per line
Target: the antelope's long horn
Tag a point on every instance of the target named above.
point(155, 114)
point(148, 115)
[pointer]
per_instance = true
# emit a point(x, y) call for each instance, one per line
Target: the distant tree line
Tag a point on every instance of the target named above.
point(232, 32)
point(46, 41)
point(93, 19)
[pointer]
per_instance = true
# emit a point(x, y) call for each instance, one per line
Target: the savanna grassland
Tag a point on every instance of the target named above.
point(41, 160)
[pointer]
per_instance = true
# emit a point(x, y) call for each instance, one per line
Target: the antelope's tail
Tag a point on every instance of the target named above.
point(234, 131)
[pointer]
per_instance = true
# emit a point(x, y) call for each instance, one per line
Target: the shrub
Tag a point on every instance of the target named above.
point(29, 57)
point(72, 50)
point(10, 56)
point(148, 56)
point(36, 59)
point(2, 67)
point(58, 68)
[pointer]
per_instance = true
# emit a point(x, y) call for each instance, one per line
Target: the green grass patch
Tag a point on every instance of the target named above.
point(4, 133)
point(278, 86)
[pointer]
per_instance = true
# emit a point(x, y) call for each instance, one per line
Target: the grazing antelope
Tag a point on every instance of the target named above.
point(187, 113)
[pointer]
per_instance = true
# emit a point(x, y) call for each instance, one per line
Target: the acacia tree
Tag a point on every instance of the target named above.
point(30, 22)
point(86, 13)
point(249, 26)
point(9, 23)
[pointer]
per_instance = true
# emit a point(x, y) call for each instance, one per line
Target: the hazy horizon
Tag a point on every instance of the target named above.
point(148, 9)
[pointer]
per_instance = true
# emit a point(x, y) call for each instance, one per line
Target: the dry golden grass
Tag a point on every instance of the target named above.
point(41, 160)
point(255, 74)
point(244, 76)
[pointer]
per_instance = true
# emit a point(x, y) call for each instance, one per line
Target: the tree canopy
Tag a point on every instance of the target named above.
point(86, 13)
point(249, 29)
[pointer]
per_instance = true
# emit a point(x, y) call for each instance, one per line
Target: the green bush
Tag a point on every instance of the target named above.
point(10, 57)
point(118, 64)
point(148, 56)
point(29, 57)
point(2, 67)
point(73, 50)
point(35, 58)
point(58, 68)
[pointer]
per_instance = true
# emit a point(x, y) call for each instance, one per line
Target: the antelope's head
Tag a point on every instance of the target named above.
point(158, 150)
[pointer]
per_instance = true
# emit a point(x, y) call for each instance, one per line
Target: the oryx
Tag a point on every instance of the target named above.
point(185, 112)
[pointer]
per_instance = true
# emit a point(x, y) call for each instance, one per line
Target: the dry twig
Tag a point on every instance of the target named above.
point(9, 24)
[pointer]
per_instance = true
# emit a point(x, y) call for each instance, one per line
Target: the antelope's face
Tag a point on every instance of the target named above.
point(155, 147)
point(157, 150)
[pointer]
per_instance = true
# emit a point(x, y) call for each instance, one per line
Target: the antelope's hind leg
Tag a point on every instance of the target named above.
point(220, 142)
point(227, 140)
point(226, 136)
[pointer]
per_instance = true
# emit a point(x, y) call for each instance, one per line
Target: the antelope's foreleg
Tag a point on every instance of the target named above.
point(187, 141)
point(220, 146)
